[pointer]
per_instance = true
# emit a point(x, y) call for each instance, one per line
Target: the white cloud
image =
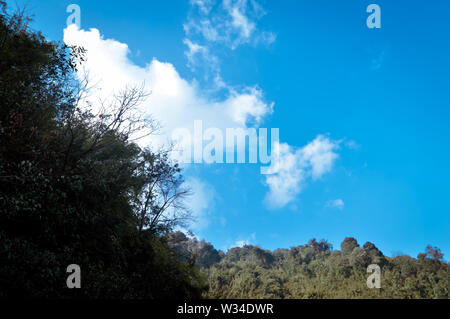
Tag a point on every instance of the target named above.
point(228, 22)
point(200, 57)
point(248, 106)
point(174, 101)
point(201, 204)
point(295, 166)
point(320, 155)
point(239, 20)
point(224, 23)
point(289, 175)
point(337, 203)
point(194, 49)
point(177, 103)
point(242, 243)
point(203, 5)
point(245, 242)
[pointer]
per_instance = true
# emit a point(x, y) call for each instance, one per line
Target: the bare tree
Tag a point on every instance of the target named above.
point(160, 199)
point(160, 192)
point(119, 116)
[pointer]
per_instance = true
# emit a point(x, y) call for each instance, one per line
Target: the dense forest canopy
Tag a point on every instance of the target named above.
point(314, 270)
point(75, 188)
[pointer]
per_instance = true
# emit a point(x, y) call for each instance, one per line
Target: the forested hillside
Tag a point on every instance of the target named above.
point(314, 270)
point(74, 187)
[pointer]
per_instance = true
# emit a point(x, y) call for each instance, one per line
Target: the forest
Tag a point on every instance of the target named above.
point(313, 271)
point(76, 188)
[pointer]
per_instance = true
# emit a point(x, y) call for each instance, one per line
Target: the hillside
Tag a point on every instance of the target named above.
point(314, 270)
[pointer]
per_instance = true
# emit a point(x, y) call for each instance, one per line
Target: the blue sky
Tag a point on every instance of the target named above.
point(378, 97)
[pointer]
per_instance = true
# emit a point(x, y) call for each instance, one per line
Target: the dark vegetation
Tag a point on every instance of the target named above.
point(75, 188)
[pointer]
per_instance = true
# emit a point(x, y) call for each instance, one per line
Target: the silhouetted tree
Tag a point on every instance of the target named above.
point(69, 180)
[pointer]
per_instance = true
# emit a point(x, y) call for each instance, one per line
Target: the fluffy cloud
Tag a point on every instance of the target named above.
point(296, 166)
point(202, 204)
point(319, 155)
point(286, 178)
point(174, 101)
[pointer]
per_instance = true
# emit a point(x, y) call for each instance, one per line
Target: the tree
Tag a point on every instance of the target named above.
point(323, 246)
point(348, 245)
point(159, 199)
point(359, 257)
point(434, 253)
point(372, 250)
point(206, 255)
point(69, 180)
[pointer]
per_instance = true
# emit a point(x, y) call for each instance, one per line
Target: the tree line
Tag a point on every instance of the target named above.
point(313, 270)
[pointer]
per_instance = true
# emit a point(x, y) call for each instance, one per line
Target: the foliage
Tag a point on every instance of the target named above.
point(314, 270)
point(72, 183)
